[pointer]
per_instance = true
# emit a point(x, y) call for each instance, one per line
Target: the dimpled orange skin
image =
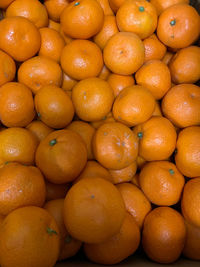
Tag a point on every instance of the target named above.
point(81, 59)
point(54, 25)
point(181, 105)
point(124, 53)
point(16, 105)
point(61, 156)
point(155, 76)
point(7, 68)
point(139, 17)
point(157, 138)
point(19, 38)
point(115, 146)
point(55, 8)
point(93, 210)
point(134, 105)
point(188, 151)
point(39, 129)
point(163, 230)
point(161, 182)
point(80, 26)
point(186, 29)
point(161, 5)
point(154, 49)
point(38, 72)
point(16, 179)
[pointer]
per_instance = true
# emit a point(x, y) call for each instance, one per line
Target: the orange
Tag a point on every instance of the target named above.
point(140, 162)
point(115, 4)
point(155, 76)
point(134, 105)
point(137, 16)
point(55, 8)
point(15, 189)
point(167, 57)
point(118, 247)
point(69, 246)
point(124, 53)
point(38, 72)
point(154, 49)
point(188, 152)
point(179, 26)
point(66, 37)
point(81, 59)
point(124, 175)
point(185, 65)
point(157, 110)
point(115, 146)
point(105, 72)
point(119, 82)
point(93, 210)
point(107, 31)
point(61, 156)
point(161, 5)
point(39, 129)
point(19, 38)
point(86, 131)
point(190, 201)
point(23, 248)
point(164, 228)
point(107, 118)
point(17, 144)
point(52, 44)
point(192, 243)
point(7, 68)
point(136, 202)
point(67, 82)
point(55, 191)
point(135, 180)
point(33, 10)
point(16, 105)
point(54, 25)
point(181, 105)
point(157, 138)
point(161, 182)
point(92, 99)
point(5, 3)
point(54, 107)
point(106, 7)
point(82, 27)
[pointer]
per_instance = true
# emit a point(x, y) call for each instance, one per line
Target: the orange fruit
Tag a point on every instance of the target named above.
point(86, 131)
point(117, 247)
point(154, 49)
point(93, 210)
point(107, 118)
point(61, 156)
point(67, 82)
point(167, 57)
point(190, 201)
point(15, 189)
point(161, 5)
point(55, 191)
point(155, 76)
point(188, 152)
point(136, 202)
point(161, 182)
point(105, 72)
point(135, 180)
point(55, 8)
point(115, 146)
point(157, 138)
point(17, 144)
point(7, 68)
point(185, 65)
point(54, 25)
point(134, 105)
point(140, 162)
point(182, 115)
point(179, 26)
point(19, 38)
point(82, 27)
point(124, 175)
point(157, 110)
point(137, 16)
point(92, 99)
point(5, 3)
point(107, 31)
point(124, 53)
point(106, 7)
point(119, 82)
point(38, 72)
point(39, 129)
point(23, 248)
point(16, 105)
point(54, 107)
point(52, 44)
point(192, 243)
point(115, 4)
point(81, 59)
point(66, 37)
point(32, 10)
point(164, 228)
point(69, 246)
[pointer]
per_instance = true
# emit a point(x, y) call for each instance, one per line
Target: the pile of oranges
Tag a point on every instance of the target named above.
point(100, 130)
